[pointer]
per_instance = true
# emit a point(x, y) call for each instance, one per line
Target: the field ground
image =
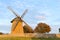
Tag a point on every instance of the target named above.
point(26, 38)
point(18, 37)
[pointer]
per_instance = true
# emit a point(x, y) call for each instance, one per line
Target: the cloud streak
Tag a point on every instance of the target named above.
point(41, 17)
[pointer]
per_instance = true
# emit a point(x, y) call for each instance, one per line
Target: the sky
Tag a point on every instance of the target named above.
point(45, 11)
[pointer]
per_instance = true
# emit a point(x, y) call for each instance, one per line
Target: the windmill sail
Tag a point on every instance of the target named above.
point(13, 11)
point(24, 13)
point(18, 15)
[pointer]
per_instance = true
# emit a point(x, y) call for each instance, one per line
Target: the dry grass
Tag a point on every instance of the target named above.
point(58, 35)
point(19, 37)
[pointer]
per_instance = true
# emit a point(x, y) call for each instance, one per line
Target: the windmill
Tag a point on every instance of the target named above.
point(17, 23)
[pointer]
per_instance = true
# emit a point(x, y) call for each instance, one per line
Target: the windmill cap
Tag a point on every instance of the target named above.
point(16, 19)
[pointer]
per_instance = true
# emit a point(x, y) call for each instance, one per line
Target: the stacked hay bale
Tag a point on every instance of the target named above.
point(27, 29)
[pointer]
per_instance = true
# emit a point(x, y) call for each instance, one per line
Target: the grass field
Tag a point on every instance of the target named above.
point(26, 38)
point(18, 37)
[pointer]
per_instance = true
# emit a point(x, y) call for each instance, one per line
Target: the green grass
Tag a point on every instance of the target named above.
point(45, 38)
point(26, 38)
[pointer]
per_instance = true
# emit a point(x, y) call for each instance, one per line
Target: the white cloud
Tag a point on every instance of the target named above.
point(41, 17)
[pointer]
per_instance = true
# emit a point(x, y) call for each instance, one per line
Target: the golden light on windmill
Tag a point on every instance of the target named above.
point(17, 23)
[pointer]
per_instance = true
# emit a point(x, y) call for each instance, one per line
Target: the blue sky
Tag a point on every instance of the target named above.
point(46, 11)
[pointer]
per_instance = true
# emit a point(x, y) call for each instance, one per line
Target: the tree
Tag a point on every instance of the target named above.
point(42, 28)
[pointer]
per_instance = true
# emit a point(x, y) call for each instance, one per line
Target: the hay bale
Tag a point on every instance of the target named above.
point(27, 29)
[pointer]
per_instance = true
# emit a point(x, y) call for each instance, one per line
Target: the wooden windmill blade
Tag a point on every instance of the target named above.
point(24, 13)
point(16, 16)
point(13, 11)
